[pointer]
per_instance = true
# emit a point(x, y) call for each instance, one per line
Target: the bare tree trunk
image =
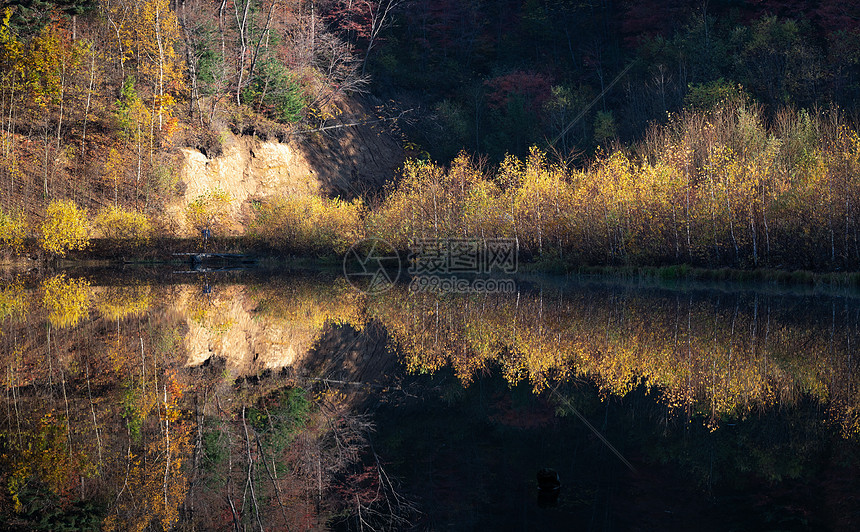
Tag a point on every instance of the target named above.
point(264, 33)
point(380, 18)
point(89, 97)
point(732, 223)
point(45, 168)
point(168, 449)
point(95, 422)
point(191, 61)
point(242, 24)
point(160, 91)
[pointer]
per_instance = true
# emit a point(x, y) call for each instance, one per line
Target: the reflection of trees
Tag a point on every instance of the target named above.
point(97, 425)
point(12, 300)
point(310, 304)
point(103, 424)
point(67, 300)
point(155, 476)
point(281, 458)
point(117, 302)
point(103, 412)
point(721, 357)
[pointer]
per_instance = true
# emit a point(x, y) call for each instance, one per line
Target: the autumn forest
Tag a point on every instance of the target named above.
point(189, 189)
point(716, 134)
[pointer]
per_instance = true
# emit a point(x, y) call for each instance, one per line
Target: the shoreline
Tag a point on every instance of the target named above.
point(236, 255)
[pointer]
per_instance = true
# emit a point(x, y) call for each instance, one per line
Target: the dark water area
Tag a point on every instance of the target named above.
point(151, 400)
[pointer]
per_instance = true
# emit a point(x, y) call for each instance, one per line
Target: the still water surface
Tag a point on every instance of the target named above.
point(153, 401)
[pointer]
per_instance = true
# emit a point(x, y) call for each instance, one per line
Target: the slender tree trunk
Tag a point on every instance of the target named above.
point(45, 167)
point(263, 34)
point(160, 91)
point(242, 23)
point(89, 96)
point(753, 231)
point(732, 224)
point(95, 421)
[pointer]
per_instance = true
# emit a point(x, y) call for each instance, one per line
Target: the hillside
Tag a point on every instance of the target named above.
point(717, 134)
point(107, 105)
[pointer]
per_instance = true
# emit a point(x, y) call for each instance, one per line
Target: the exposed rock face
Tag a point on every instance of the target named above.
point(339, 162)
point(248, 170)
point(227, 324)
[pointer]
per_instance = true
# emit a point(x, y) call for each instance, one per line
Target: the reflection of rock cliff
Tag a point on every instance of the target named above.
point(342, 161)
point(226, 325)
point(318, 330)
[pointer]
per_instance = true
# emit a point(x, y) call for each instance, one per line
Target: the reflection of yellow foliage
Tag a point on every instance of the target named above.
point(65, 228)
point(67, 300)
point(117, 302)
point(12, 300)
point(718, 364)
point(312, 306)
point(209, 312)
point(116, 223)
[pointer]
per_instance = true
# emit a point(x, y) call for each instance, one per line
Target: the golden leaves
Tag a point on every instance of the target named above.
point(309, 223)
point(209, 211)
point(65, 228)
point(67, 300)
point(51, 57)
point(12, 300)
point(116, 223)
point(13, 229)
point(693, 357)
point(118, 302)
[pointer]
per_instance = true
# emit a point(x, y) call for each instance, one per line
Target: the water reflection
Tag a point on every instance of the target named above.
point(721, 355)
point(144, 405)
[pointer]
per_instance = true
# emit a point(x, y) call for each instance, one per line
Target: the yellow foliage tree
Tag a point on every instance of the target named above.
point(209, 211)
point(116, 223)
point(65, 228)
point(52, 56)
point(309, 223)
point(13, 229)
point(11, 53)
point(147, 32)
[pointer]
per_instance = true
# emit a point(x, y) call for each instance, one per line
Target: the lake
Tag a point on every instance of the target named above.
point(150, 399)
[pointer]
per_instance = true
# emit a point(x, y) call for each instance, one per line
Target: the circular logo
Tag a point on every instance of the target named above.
point(371, 266)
